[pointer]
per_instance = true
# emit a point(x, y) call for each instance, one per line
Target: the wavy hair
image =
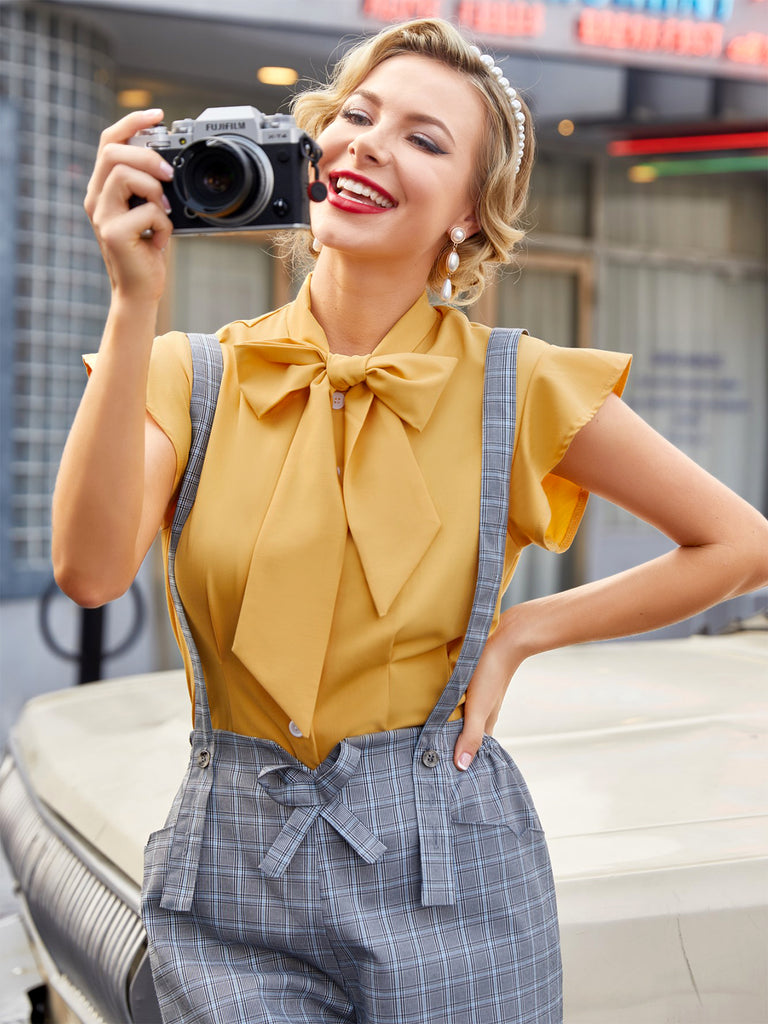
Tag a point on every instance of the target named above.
point(498, 193)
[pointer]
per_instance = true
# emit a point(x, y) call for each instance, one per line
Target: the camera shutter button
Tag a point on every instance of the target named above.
point(280, 208)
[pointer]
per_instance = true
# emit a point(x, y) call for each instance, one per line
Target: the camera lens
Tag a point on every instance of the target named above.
point(217, 180)
point(225, 179)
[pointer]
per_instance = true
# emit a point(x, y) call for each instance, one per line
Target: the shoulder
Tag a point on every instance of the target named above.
point(550, 369)
point(275, 323)
point(171, 355)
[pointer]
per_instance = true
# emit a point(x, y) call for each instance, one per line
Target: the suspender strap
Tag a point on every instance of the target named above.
point(437, 870)
point(184, 854)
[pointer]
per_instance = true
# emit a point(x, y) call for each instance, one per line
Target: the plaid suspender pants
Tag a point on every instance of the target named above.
point(383, 887)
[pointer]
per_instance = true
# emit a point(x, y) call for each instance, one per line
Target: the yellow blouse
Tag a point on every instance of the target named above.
point(328, 564)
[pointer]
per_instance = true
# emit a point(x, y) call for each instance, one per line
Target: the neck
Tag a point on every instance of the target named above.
point(356, 304)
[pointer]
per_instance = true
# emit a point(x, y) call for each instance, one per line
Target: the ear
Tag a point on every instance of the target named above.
point(470, 223)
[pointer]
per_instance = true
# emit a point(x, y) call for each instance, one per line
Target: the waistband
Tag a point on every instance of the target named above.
point(318, 793)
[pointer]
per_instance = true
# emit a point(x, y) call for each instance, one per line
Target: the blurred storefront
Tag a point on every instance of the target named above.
point(647, 226)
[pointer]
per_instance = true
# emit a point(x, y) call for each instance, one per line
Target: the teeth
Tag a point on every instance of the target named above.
point(351, 185)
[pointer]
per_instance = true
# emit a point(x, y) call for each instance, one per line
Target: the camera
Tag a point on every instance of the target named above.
point(236, 169)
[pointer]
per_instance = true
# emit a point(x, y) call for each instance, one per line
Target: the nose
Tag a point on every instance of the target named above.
point(370, 146)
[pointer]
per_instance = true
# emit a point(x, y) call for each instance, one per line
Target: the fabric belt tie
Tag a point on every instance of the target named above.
point(313, 795)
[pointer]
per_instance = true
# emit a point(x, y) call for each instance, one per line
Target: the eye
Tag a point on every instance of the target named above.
point(355, 116)
point(424, 142)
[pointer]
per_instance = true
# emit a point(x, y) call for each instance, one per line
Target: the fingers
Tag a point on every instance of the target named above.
point(114, 151)
point(117, 218)
point(143, 223)
point(485, 695)
point(468, 743)
point(113, 161)
point(129, 233)
point(127, 126)
point(479, 719)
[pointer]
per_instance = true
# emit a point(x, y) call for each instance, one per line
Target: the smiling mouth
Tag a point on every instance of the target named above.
point(360, 192)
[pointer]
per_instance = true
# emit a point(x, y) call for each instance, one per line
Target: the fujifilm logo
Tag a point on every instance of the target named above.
point(224, 126)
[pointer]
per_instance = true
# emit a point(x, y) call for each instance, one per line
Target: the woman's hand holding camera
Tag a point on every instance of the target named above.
point(133, 238)
point(117, 470)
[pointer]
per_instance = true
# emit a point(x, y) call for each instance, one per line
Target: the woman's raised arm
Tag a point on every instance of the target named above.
point(118, 467)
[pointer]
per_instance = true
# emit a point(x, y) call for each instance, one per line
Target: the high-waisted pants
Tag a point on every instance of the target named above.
point(382, 887)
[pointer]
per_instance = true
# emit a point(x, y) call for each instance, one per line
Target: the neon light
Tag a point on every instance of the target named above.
point(689, 143)
point(620, 31)
point(401, 10)
point(498, 18)
point(751, 48)
point(712, 165)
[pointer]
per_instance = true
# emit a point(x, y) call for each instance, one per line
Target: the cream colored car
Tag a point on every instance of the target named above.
point(648, 762)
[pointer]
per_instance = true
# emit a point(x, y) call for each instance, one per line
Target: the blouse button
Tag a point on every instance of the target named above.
point(337, 400)
point(294, 730)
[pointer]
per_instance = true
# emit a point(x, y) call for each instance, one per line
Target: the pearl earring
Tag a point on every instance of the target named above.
point(317, 245)
point(452, 263)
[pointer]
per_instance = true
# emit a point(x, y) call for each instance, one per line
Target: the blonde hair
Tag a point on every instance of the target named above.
point(498, 193)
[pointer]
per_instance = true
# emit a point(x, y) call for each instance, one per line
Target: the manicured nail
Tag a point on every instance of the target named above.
point(166, 170)
point(155, 112)
point(465, 761)
point(166, 203)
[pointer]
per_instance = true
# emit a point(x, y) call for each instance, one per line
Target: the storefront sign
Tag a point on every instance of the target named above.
point(729, 37)
point(690, 397)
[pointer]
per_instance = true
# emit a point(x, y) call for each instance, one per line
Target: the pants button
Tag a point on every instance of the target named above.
point(430, 758)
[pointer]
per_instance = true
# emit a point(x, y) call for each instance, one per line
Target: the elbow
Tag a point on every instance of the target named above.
point(760, 569)
point(755, 558)
point(86, 589)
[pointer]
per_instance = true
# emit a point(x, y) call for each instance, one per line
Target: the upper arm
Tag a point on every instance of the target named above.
point(159, 477)
point(618, 456)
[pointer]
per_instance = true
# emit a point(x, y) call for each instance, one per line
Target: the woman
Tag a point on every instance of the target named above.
point(349, 843)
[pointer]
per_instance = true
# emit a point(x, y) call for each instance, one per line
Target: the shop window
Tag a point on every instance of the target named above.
point(717, 215)
point(698, 337)
point(559, 201)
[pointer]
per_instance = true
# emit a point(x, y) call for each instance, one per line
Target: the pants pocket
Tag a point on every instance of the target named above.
point(493, 793)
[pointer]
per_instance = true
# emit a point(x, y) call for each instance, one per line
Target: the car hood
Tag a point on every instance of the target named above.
point(640, 755)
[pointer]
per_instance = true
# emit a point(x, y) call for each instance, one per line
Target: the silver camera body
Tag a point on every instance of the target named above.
point(235, 169)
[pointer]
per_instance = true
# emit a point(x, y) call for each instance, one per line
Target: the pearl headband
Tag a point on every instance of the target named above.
point(517, 108)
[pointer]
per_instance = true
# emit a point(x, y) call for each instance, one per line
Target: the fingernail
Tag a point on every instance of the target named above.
point(166, 203)
point(155, 112)
point(465, 761)
point(166, 170)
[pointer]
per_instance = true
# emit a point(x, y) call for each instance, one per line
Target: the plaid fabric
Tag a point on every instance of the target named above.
point(384, 886)
point(207, 368)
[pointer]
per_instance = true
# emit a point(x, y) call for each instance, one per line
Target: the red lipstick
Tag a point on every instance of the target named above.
point(348, 201)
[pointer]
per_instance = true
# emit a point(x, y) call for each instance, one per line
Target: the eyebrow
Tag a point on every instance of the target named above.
point(414, 116)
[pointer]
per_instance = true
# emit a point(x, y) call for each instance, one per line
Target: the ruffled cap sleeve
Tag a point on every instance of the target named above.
point(169, 388)
point(559, 390)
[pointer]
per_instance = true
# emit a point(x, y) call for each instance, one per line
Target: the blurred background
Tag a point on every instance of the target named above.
point(647, 233)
